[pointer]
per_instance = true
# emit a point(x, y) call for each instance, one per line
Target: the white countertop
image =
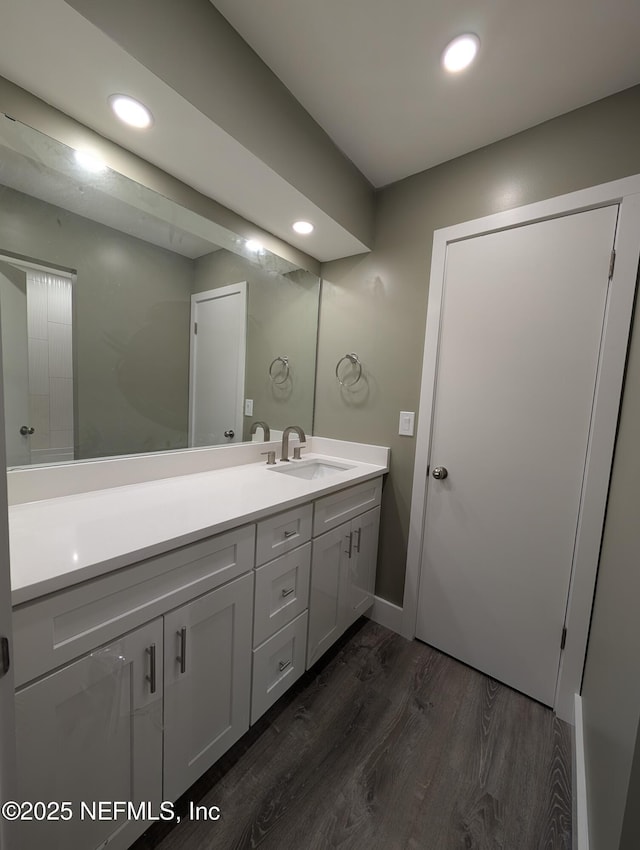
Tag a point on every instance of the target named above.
point(59, 542)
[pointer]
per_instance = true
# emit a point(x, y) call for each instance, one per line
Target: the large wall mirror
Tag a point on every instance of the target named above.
point(132, 324)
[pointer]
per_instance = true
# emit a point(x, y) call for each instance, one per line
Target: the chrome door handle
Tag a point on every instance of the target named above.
point(230, 433)
point(440, 472)
point(26, 431)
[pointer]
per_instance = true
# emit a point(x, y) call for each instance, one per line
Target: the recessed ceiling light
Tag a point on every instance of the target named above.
point(254, 246)
point(303, 227)
point(89, 161)
point(131, 111)
point(460, 53)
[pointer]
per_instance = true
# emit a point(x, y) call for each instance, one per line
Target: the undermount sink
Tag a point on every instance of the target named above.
point(311, 469)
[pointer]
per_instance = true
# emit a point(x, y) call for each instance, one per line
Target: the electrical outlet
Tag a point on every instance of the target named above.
point(248, 407)
point(407, 421)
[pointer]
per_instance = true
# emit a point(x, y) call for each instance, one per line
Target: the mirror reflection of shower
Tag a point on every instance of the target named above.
point(37, 351)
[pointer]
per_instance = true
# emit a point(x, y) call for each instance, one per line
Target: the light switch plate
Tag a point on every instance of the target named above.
point(407, 422)
point(248, 407)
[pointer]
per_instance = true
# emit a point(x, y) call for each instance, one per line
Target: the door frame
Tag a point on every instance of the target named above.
point(609, 381)
point(8, 768)
point(239, 288)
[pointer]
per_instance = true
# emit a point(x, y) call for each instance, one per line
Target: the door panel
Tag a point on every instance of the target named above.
point(362, 565)
point(92, 731)
point(521, 327)
point(328, 590)
point(217, 365)
point(207, 681)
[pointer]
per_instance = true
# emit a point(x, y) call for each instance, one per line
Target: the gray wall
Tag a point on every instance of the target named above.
point(376, 305)
point(611, 686)
point(282, 320)
point(131, 325)
point(193, 48)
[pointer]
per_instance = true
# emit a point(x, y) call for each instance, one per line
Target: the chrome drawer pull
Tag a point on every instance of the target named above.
point(358, 532)
point(182, 658)
point(151, 678)
point(288, 592)
point(284, 664)
point(290, 533)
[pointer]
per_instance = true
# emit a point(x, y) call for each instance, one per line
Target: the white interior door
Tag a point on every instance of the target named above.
point(521, 329)
point(15, 355)
point(216, 386)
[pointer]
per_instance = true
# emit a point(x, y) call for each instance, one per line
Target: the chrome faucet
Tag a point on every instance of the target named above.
point(265, 429)
point(284, 453)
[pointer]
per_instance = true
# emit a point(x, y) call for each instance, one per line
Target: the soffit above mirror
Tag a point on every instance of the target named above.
point(73, 65)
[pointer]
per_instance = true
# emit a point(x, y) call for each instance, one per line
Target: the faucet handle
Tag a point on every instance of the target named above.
point(271, 457)
point(297, 450)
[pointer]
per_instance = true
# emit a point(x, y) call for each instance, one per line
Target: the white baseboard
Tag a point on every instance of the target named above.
point(581, 815)
point(386, 614)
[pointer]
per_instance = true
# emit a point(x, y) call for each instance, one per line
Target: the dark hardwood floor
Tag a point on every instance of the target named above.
point(385, 745)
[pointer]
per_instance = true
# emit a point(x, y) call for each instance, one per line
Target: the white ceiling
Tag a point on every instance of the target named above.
point(368, 70)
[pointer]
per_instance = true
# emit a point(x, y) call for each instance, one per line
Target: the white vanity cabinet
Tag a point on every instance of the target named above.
point(343, 563)
point(92, 731)
point(132, 683)
point(108, 726)
point(207, 681)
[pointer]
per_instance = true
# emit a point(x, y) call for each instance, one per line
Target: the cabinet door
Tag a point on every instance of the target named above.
point(328, 589)
point(361, 566)
point(207, 681)
point(92, 732)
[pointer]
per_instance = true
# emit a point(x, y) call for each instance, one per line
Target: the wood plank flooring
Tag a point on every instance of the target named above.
point(388, 745)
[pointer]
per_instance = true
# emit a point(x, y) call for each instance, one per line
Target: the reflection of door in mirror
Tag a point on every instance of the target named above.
point(216, 381)
point(36, 310)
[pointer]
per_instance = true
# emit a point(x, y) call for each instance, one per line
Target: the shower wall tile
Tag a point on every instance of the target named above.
point(59, 292)
point(61, 440)
point(37, 308)
point(39, 419)
point(61, 404)
point(60, 356)
point(38, 366)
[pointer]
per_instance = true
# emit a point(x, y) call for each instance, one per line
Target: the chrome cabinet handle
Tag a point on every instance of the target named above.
point(358, 532)
point(284, 664)
point(290, 533)
point(151, 678)
point(350, 549)
point(182, 658)
point(288, 592)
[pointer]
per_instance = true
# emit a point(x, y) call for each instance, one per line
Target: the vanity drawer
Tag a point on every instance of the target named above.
point(282, 532)
point(53, 630)
point(282, 592)
point(277, 664)
point(333, 510)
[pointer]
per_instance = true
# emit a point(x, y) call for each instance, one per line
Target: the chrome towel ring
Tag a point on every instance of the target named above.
point(281, 373)
point(355, 362)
